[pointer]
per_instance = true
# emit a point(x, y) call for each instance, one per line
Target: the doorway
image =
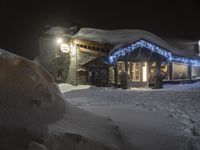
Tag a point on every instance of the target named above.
point(98, 76)
point(138, 71)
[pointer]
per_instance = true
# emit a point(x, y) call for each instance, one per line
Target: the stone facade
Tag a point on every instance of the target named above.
point(68, 63)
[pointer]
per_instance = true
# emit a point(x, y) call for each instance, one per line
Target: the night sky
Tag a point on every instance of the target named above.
point(22, 23)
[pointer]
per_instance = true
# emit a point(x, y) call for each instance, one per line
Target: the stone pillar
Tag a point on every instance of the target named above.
point(72, 77)
point(170, 71)
point(141, 72)
point(190, 72)
point(124, 77)
point(115, 74)
point(107, 75)
point(126, 66)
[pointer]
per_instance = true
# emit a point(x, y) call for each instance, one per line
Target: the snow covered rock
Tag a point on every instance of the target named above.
point(29, 95)
point(35, 116)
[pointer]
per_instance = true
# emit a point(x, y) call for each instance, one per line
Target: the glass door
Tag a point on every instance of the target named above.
point(138, 71)
point(144, 71)
point(135, 71)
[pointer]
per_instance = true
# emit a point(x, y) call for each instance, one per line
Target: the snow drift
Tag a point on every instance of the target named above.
point(35, 116)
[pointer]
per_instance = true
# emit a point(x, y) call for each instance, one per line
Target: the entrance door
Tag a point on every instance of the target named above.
point(138, 71)
point(98, 77)
point(135, 71)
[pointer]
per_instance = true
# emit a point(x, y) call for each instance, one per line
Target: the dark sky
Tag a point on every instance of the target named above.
point(22, 22)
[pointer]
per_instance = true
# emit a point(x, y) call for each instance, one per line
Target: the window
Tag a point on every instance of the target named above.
point(164, 70)
point(135, 71)
point(111, 74)
point(120, 69)
point(180, 71)
point(152, 68)
point(195, 72)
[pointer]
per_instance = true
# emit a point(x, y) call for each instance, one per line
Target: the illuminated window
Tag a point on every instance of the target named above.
point(120, 69)
point(144, 71)
point(195, 72)
point(164, 70)
point(180, 71)
point(152, 72)
point(135, 71)
point(111, 74)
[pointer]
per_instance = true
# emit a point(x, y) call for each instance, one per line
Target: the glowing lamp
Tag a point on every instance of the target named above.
point(59, 40)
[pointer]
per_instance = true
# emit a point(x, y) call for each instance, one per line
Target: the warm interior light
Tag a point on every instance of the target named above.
point(59, 40)
point(144, 72)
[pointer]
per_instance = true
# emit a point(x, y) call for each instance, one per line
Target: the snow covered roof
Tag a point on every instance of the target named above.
point(127, 36)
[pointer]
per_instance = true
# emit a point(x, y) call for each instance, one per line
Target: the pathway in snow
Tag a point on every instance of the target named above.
point(177, 102)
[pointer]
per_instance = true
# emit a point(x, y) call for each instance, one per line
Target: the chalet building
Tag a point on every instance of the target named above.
point(118, 57)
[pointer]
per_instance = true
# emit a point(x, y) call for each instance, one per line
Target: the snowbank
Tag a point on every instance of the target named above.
point(29, 96)
point(35, 116)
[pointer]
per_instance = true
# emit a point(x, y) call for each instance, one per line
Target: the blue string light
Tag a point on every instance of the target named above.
point(113, 57)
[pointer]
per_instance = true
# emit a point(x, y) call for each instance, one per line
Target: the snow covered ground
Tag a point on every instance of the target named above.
point(167, 118)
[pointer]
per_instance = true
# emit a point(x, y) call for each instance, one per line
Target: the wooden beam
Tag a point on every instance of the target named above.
point(190, 72)
point(94, 52)
point(170, 71)
point(116, 75)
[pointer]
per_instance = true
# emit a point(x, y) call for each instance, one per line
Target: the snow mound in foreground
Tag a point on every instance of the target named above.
point(34, 114)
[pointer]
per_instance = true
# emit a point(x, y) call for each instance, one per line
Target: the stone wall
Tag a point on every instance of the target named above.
point(70, 64)
point(48, 59)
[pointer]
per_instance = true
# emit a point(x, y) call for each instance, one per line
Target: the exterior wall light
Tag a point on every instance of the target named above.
point(59, 40)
